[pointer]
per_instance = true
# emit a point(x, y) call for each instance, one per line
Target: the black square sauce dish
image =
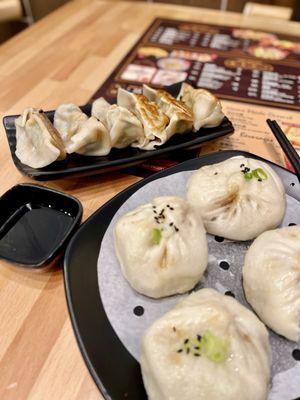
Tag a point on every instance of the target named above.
point(35, 224)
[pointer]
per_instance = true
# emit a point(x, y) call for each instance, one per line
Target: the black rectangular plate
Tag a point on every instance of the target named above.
point(114, 370)
point(78, 165)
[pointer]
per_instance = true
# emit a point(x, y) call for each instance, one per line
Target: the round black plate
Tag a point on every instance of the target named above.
point(115, 371)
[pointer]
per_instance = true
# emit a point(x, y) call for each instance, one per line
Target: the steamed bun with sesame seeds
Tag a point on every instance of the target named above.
point(238, 198)
point(209, 347)
point(161, 247)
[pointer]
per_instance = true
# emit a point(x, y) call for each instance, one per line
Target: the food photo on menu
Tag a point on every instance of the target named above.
point(151, 207)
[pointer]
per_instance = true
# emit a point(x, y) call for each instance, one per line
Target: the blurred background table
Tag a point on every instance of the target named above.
point(64, 58)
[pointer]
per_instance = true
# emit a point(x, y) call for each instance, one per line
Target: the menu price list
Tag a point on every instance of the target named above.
point(234, 63)
point(225, 77)
point(273, 86)
point(224, 38)
point(255, 73)
point(213, 40)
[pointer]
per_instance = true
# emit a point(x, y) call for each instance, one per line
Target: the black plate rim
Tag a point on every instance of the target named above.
point(68, 266)
point(76, 222)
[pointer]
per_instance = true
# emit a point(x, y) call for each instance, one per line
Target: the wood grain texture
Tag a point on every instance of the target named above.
point(64, 58)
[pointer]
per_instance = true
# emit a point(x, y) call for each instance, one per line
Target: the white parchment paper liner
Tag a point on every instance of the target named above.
point(119, 299)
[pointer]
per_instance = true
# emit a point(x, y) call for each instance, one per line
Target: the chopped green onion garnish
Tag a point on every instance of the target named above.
point(213, 348)
point(156, 236)
point(248, 176)
point(259, 173)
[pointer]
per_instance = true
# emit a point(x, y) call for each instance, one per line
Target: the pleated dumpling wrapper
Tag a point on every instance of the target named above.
point(124, 127)
point(38, 143)
point(152, 118)
point(81, 134)
point(68, 119)
point(161, 247)
point(238, 198)
point(91, 139)
point(206, 107)
point(99, 109)
point(180, 115)
point(209, 347)
point(271, 279)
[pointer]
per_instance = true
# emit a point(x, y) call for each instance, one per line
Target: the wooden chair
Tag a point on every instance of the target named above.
point(16, 10)
point(10, 10)
point(267, 10)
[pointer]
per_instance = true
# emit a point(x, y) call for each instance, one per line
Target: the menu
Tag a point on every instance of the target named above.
point(254, 73)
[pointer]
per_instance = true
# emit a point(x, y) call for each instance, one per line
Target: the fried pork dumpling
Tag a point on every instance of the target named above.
point(181, 116)
point(161, 247)
point(124, 127)
point(238, 198)
point(209, 347)
point(271, 279)
point(99, 109)
point(67, 120)
point(206, 107)
point(38, 142)
point(91, 139)
point(154, 121)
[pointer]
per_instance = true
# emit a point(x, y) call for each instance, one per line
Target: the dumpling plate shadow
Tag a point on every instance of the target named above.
point(102, 318)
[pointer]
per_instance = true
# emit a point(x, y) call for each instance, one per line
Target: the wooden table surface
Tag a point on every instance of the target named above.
point(64, 58)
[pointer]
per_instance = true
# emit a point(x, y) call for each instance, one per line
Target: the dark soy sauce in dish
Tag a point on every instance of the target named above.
point(33, 232)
